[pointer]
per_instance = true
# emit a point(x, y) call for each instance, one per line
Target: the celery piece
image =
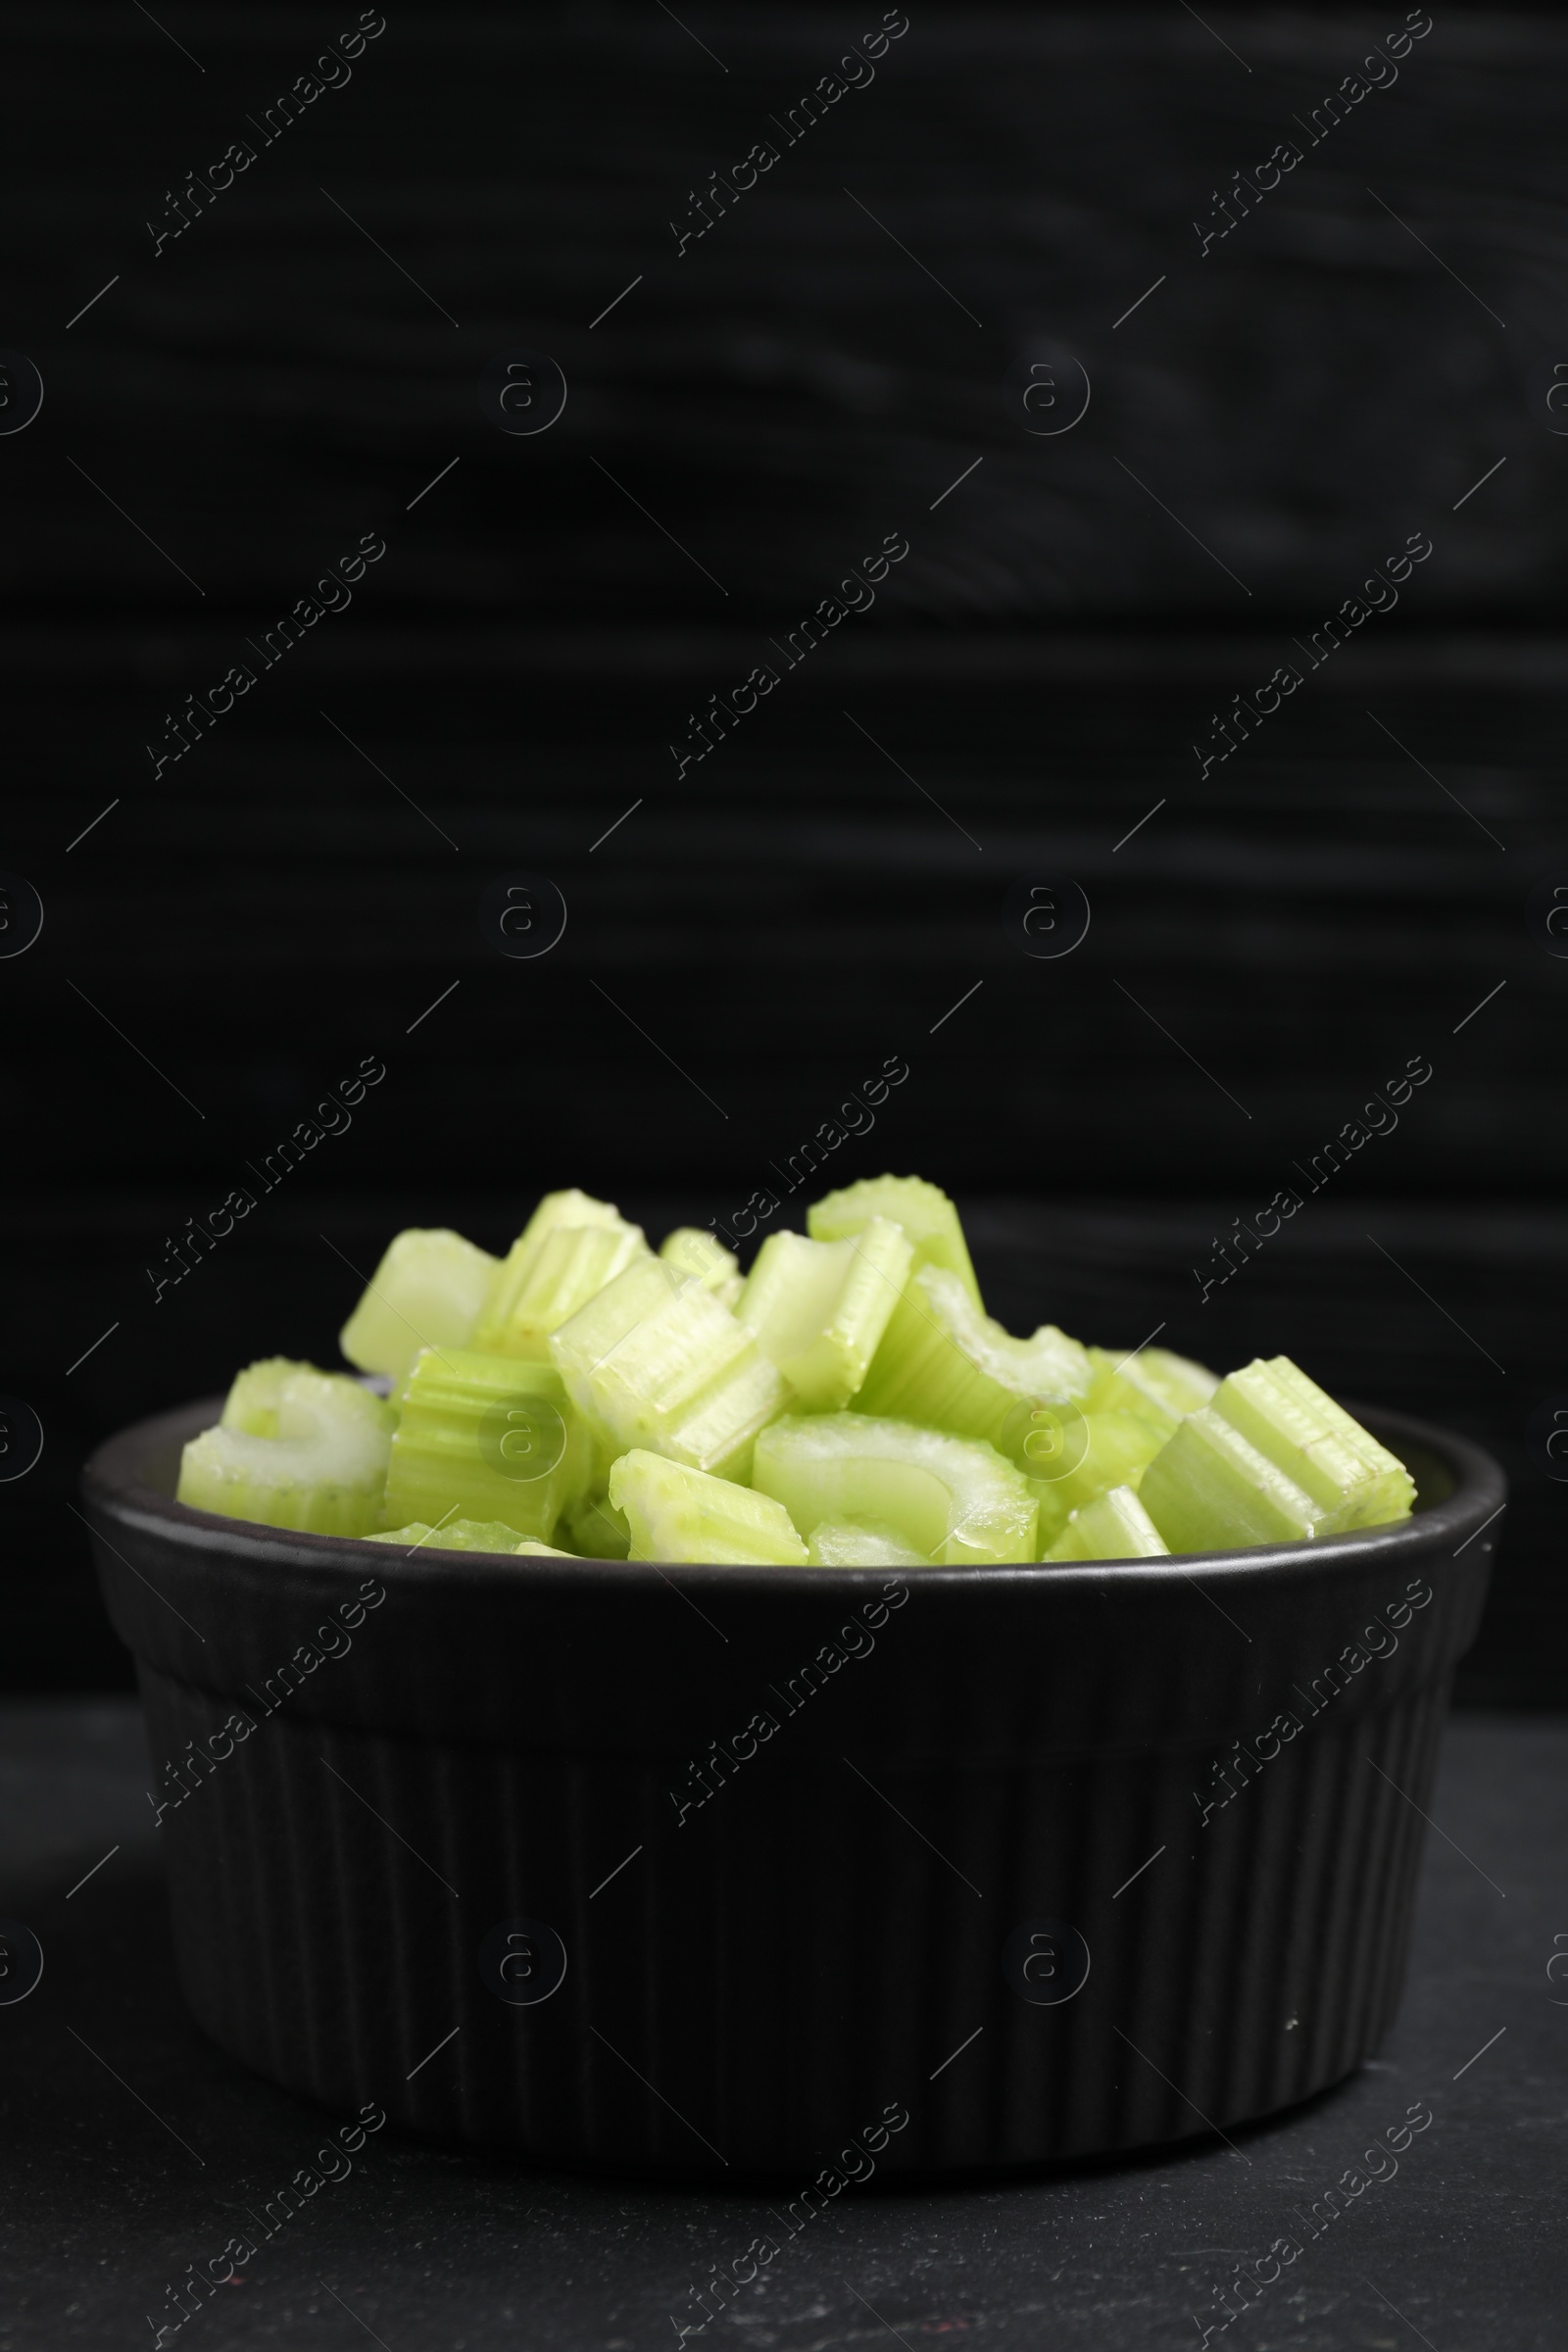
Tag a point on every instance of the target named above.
point(663, 1365)
point(943, 1363)
point(414, 1535)
point(594, 1530)
point(1114, 1527)
point(1079, 1455)
point(923, 1209)
point(860, 1543)
point(691, 1250)
point(1357, 1482)
point(818, 1310)
point(957, 1501)
point(676, 1513)
point(1154, 1382)
point(257, 1392)
point(483, 1436)
point(463, 1535)
point(568, 1266)
point(427, 1291)
point(555, 1212)
point(1209, 1489)
point(323, 1469)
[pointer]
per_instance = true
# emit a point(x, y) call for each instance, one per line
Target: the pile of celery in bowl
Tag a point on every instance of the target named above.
point(847, 1403)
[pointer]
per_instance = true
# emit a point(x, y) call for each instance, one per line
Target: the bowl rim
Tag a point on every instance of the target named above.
point(111, 1481)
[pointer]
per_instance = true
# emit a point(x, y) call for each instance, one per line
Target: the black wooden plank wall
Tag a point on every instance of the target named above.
point(236, 419)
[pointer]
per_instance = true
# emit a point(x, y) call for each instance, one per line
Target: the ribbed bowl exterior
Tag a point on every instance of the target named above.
point(830, 1951)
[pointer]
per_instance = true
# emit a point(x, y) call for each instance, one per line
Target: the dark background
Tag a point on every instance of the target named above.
point(233, 937)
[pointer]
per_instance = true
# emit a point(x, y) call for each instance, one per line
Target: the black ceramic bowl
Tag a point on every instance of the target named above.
point(704, 1867)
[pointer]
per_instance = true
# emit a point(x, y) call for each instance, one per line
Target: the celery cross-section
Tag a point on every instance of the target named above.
point(321, 1468)
point(955, 1500)
point(255, 1393)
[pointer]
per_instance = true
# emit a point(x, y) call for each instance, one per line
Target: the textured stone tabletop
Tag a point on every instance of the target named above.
point(135, 2150)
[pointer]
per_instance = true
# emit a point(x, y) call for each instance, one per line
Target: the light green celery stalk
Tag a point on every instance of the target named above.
point(1071, 1456)
point(923, 1209)
point(322, 1468)
point(662, 1365)
point(1209, 1489)
point(1115, 1526)
point(555, 1212)
point(1152, 1382)
point(956, 1501)
point(679, 1514)
point(568, 1266)
point(860, 1543)
point(1356, 1482)
point(466, 1535)
point(253, 1399)
point(482, 1437)
point(427, 1291)
point(818, 1310)
point(945, 1365)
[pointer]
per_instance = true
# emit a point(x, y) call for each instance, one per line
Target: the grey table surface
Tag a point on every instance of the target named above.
point(132, 2149)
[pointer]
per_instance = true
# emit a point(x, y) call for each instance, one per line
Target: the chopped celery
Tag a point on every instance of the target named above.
point(663, 1365)
point(1357, 1482)
point(1114, 1527)
point(818, 1310)
point(463, 1535)
point(860, 1543)
point(676, 1513)
point(1154, 1382)
point(555, 1212)
point(691, 1250)
point(257, 1392)
point(594, 1531)
point(586, 1399)
point(489, 1438)
point(323, 1469)
point(427, 1291)
point(1095, 1451)
point(945, 1365)
point(1209, 1489)
point(568, 1266)
point(923, 1209)
point(955, 1500)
